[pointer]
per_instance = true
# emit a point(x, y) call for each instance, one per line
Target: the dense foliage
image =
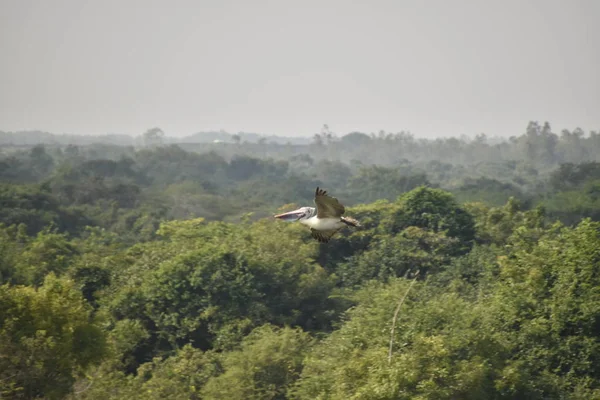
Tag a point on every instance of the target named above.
point(155, 272)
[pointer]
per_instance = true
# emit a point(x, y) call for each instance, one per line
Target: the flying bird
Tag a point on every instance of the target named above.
point(324, 220)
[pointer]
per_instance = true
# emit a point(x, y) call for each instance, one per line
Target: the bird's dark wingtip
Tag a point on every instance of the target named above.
point(320, 192)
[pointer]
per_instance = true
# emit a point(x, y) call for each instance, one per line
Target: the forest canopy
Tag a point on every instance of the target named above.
point(153, 269)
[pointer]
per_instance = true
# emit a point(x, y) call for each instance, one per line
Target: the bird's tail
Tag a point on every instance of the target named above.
point(350, 221)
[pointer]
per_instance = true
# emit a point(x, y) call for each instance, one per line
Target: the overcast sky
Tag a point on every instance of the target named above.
point(435, 68)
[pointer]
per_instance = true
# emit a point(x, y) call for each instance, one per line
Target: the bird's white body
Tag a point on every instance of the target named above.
point(323, 224)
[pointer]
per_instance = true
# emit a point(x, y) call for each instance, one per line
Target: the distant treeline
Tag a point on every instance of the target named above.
point(130, 190)
point(28, 138)
point(538, 146)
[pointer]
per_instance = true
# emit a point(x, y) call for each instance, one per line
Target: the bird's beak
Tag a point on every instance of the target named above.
point(290, 215)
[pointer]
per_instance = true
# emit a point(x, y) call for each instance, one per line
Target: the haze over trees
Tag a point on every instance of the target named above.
point(149, 267)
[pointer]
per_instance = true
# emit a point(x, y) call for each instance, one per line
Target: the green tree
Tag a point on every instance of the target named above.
point(433, 209)
point(47, 337)
point(269, 361)
point(413, 249)
point(153, 137)
point(208, 284)
point(47, 252)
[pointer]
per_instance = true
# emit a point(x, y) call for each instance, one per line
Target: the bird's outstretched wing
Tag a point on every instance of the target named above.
point(327, 206)
point(322, 236)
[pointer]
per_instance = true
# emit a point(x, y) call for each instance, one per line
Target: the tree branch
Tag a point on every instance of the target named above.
point(396, 316)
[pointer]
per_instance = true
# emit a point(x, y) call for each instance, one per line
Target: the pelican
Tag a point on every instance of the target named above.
point(324, 220)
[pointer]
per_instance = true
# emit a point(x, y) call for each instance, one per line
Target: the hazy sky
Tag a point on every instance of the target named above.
point(435, 68)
